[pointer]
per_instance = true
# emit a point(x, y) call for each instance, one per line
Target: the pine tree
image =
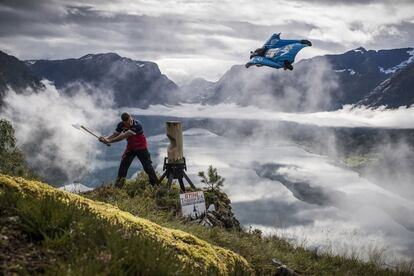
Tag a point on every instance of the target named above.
point(213, 180)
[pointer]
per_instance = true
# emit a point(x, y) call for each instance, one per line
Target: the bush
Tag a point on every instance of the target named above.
point(214, 195)
point(12, 161)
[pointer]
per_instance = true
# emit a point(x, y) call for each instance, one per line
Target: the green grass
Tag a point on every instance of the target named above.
point(92, 238)
point(162, 207)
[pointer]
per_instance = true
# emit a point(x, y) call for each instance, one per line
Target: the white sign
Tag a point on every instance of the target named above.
point(193, 204)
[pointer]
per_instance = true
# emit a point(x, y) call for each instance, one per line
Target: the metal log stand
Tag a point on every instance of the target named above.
point(174, 164)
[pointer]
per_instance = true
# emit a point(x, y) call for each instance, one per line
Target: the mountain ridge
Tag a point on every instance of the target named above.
point(344, 78)
point(321, 83)
point(133, 83)
point(16, 75)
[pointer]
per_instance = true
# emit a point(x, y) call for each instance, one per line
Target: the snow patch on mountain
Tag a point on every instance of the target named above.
point(350, 71)
point(360, 50)
point(31, 62)
point(394, 69)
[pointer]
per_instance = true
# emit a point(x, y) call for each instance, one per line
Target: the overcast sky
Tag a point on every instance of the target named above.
point(190, 38)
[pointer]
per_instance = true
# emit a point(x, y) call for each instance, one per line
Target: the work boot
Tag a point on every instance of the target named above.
point(120, 182)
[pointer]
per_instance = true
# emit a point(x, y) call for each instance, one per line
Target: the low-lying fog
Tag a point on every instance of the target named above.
point(280, 188)
point(284, 171)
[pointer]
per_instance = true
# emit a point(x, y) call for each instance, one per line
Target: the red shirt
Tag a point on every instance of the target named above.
point(137, 141)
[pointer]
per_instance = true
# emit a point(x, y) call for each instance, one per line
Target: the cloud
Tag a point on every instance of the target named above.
point(308, 198)
point(273, 182)
point(220, 32)
point(348, 117)
point(43, 123)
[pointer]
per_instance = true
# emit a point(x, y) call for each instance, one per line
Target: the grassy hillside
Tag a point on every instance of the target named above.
point(90, 237)
point(162, 206)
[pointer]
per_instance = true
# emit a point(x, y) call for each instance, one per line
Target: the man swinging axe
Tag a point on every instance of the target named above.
point(132, 131)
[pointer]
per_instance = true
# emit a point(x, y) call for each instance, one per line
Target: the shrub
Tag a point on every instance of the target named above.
point(12, 161)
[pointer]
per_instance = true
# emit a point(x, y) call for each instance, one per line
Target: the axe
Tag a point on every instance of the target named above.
point(90, 132)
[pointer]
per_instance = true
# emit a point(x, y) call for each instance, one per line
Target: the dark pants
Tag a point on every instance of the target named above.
point(144, 157)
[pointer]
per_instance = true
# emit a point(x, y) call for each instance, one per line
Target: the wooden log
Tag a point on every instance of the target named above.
point(175, 148)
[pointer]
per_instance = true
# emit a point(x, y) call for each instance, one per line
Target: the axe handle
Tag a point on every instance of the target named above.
point(87, 130)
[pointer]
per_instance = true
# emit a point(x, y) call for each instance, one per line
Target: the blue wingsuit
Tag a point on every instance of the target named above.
point(277, 53)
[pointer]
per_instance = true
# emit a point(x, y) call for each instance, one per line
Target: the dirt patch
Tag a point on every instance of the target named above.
point(18, 253)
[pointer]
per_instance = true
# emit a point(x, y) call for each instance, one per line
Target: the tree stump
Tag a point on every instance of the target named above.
point(174, 163)
point(175, 148)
